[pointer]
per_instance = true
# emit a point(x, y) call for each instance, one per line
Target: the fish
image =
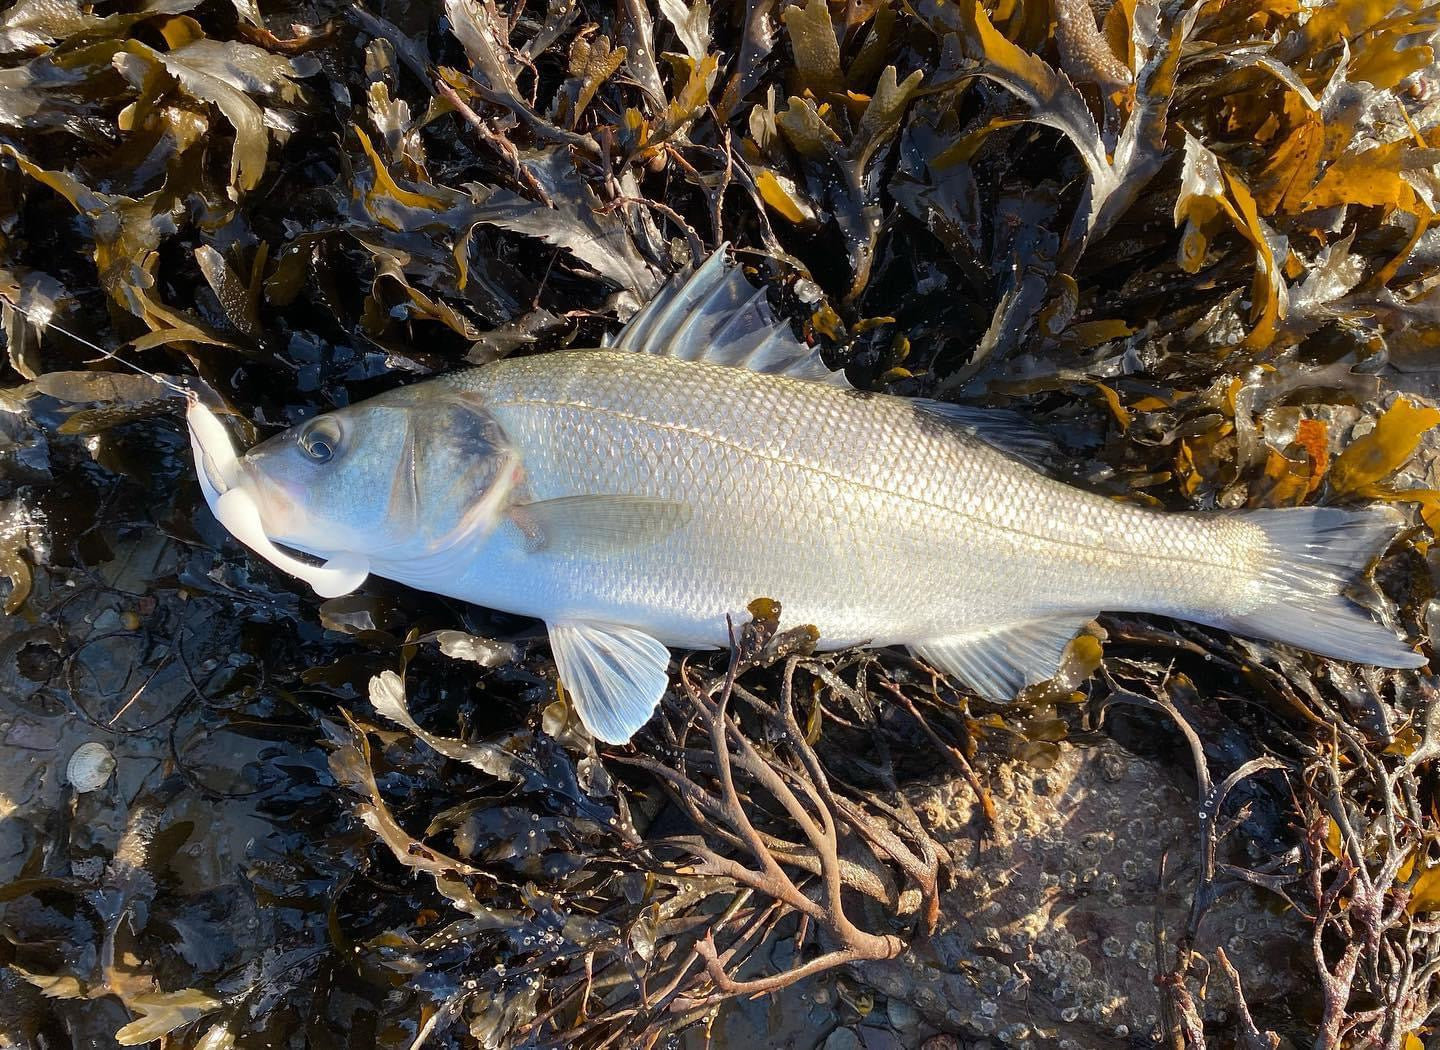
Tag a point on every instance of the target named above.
point(636, 497)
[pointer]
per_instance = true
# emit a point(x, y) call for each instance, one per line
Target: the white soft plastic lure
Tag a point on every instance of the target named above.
point(218, 467)
point(638, 497)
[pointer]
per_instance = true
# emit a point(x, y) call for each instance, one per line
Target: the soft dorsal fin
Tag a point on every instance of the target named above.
point(716, 315)
point(998, 427)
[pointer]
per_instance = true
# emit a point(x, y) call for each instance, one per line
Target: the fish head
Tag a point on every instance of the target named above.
point(397, 477)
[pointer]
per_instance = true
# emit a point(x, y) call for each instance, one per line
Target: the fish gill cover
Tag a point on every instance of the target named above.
point(1196, 242)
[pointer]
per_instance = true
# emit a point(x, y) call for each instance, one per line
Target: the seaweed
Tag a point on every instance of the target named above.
point(1195, 242)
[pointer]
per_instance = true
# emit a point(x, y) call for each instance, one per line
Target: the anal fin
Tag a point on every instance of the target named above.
point(615, 675)
point(999, 661)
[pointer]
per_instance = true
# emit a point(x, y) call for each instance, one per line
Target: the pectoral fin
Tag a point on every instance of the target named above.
point(616, 675)
point(598, 525)
point(999, 661)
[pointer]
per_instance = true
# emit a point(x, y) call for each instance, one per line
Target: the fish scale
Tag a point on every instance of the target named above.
point(640, 497)
point(865, 517)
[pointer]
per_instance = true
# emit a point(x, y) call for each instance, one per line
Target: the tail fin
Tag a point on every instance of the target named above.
point(1314, 553)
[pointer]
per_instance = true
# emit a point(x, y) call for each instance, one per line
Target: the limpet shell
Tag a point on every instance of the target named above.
point(90, 767)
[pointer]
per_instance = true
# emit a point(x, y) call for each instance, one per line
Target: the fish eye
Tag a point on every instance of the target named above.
point(320, 440)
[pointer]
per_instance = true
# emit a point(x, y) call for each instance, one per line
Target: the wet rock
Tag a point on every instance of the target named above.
point(874, 1038)
point(34, 734)
point(941, 1042)
point(844, 1039)
point(903, 1017)
point(1048, 936)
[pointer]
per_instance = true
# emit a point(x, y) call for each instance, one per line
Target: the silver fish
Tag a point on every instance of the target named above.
point(638, 497)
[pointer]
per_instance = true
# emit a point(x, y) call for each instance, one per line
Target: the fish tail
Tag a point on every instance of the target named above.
point(1311, 555)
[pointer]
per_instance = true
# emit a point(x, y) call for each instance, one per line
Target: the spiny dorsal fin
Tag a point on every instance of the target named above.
point(716, 315)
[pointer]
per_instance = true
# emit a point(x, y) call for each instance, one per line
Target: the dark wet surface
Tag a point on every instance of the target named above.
point(307, 203)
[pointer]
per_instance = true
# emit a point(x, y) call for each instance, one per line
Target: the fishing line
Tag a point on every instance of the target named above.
point(173, 714)
point(42, 325)
point(232, 503)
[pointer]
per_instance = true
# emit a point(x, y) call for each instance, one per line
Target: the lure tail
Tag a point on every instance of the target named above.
point(1312, 555)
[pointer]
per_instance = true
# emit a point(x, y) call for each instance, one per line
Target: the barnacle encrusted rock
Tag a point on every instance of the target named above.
point(1048, 935)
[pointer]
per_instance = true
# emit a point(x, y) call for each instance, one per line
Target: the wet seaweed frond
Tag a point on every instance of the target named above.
point(1196, 242)
point(595, 923)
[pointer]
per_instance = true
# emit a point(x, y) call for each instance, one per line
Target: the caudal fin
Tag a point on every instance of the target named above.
point(1314, 554)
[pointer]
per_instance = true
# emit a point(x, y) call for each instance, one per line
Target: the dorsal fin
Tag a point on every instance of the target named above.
point(999, 428)
point(716, 315)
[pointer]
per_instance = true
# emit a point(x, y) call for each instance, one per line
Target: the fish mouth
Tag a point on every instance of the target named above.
point(337, 572)
point(235, 492)
point(277, 503)
point(216, 464)
point(221, 471)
